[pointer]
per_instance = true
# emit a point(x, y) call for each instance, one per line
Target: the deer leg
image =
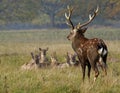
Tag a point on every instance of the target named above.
point(102, 63)
point(89, 69)
point(96, 73)
point(105, 65)
point(93, 64)
point(83, 71)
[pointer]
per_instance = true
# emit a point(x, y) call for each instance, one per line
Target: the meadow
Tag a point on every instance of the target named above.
point(15, 48)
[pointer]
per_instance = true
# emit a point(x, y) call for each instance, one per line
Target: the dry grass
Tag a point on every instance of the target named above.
point(15, 50)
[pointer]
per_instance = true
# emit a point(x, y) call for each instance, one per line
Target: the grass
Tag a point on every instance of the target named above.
point(15, 48)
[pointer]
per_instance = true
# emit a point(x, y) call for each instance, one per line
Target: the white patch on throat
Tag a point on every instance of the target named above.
point(73, 34)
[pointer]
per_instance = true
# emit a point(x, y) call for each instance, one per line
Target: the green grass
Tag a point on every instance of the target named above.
point(15, 48)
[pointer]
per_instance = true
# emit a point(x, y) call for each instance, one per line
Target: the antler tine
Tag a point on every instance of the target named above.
point(69, 22)
point(91, 17)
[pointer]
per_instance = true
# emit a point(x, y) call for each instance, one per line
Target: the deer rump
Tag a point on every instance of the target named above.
point(93, 52)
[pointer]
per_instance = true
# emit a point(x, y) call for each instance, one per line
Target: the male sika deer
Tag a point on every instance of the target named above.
point(89, 51)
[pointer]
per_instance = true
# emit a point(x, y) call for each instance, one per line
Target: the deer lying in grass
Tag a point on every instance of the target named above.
point(38, 60)
point(54, 60)
point(30, 65)
point(43, 57)
point(89, 51)
point(70, 61)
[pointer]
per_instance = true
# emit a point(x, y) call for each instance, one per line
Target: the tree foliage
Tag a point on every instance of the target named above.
point(52, 8)
point(15, 11)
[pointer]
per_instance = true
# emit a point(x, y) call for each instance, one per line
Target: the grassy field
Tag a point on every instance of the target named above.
point(15, 48)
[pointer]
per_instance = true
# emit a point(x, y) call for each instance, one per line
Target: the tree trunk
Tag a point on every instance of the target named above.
point(52, 20)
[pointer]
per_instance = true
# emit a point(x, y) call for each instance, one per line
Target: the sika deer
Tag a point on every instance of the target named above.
point(43, 57)
point(89, 51)
point(71, 59)
point(36, 59)
point(54, 60)
point(30, 65)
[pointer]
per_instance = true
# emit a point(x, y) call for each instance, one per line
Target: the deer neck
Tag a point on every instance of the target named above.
point(42, 57)
point(78, 41)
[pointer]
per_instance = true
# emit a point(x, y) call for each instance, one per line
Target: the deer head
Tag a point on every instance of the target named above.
point(71, 58)
point(43, 51)
point(79, 28)
point(35, 58)
point(43, 57)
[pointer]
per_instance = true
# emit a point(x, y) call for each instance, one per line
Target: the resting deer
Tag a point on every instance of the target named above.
point(89, 51)
point(43, 57)
point(71, 59)
point(54, 60)
point(55, 63)
point(30, 65)
point(36, 59)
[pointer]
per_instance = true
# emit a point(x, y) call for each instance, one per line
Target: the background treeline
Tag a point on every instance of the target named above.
point(17, 14)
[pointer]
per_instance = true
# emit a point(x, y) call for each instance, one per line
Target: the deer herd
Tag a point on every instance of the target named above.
point(88, 52)
point(40, 60)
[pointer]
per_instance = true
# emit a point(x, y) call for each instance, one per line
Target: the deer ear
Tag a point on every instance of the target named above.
point(84, 30)
point(32, 55)
point(40, 49)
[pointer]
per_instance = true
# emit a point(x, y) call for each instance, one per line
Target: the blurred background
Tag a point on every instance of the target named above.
point(37, 14)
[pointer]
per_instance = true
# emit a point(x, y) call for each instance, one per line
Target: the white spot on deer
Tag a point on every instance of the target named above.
point(81, 45)
point(100, 59)
point(90, 42)
point(80, 50)
point(91, 46)
point(95, 39)
point(100, 50)
point(104, 52)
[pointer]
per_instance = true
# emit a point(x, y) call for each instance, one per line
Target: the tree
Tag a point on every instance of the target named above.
point(110, 9)
point(51, 8)
point(12, 11)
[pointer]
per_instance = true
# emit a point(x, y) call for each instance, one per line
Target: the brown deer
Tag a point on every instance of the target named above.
point(37, 62)
point(43, 57)
point(54, 60)
point(71, 59)
point(89, 51)
point(55, 63)
point(31, 64)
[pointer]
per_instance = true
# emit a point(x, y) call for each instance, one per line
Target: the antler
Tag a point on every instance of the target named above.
point(91, 17)
point(68, 17)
